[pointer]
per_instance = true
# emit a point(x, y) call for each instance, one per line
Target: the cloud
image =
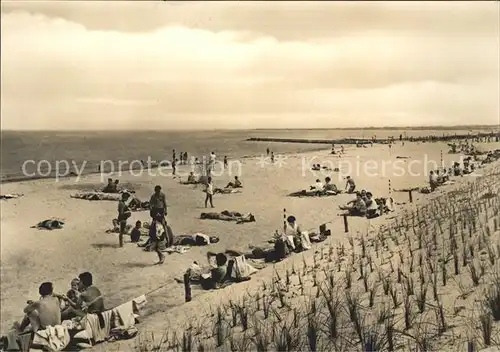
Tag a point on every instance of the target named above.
point(57, 73)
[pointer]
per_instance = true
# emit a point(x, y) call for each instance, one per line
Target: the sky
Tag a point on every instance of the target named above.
point(205, 65)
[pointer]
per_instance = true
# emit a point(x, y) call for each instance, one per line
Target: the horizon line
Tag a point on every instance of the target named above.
point(420, 127)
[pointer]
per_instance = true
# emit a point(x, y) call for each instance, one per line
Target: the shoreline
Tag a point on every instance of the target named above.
point(20, 179)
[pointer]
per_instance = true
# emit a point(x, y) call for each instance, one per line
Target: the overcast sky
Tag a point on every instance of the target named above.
point(90, 64)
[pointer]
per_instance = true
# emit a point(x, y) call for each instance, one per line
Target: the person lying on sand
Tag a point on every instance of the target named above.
point(50, 224)
point(226, 190)
point(43, 313)
point(229, 216)
point(11, 196)
point(97, 196)
point(195, 240)
point(235, 184)
point(356, 207)
point(135, 204)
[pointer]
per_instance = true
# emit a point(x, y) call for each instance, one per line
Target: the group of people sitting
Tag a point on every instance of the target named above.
point(51, 309)
point(325, 188)
point(366, 206)
point(224, 270)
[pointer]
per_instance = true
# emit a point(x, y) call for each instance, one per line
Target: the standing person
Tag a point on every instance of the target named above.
point(158, 203)
point(173, 155)
point(272, 157)
point(225, 161)
point(185, 157)
point(174, 167)
point(268, 151)
point(157, 234)
point(123, 214)
point(209, 190)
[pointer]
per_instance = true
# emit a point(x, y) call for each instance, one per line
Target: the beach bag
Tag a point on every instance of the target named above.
point(241, 269)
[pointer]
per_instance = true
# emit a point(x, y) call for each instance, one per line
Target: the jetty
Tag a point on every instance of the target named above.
point(483, 136)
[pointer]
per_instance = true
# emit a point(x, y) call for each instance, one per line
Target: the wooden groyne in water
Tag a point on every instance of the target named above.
point(492, 137)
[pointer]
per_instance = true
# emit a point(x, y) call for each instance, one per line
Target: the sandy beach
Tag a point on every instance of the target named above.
point(31, 256)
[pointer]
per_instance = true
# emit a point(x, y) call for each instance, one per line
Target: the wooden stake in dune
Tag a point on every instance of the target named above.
point(187, 287)
point(346, 224)
point(410, 196)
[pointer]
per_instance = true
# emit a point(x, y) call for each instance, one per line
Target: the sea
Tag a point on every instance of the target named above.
point(39, 151)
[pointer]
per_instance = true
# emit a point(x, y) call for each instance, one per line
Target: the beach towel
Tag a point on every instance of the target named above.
point(55, 338)
point(50, 224)
point(97, 196)
point(11, 196)
point(305, 193)
point(98, 325)
point(241, 269)
point(124, 315)
point(139, 303)
point(176, 249)
point(305, 241)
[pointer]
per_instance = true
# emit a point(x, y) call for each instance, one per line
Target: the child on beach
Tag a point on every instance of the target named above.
point(135, 234)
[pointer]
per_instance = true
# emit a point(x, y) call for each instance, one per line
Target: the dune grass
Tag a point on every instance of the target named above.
point(427, 281)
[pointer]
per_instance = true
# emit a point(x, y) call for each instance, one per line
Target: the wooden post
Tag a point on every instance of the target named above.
point(284, 221)
point(410, 196)
point(187, 287)
point(346, 224)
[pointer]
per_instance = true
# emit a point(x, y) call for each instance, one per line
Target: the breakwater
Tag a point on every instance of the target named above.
point(476, 137)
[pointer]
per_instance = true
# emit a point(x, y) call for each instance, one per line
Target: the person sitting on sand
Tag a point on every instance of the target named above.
point(318, 186)
point(110, 187)
point(292, 232)
point(358, 207)
point(73, 294)
point(90, 300)
point(350, 184)
point(372, 208)
point(329, 187)
point(135, 234)
point(43, 313)
point(433, 181)
point(191, 178)
point(235, 184)
point(218, 272)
